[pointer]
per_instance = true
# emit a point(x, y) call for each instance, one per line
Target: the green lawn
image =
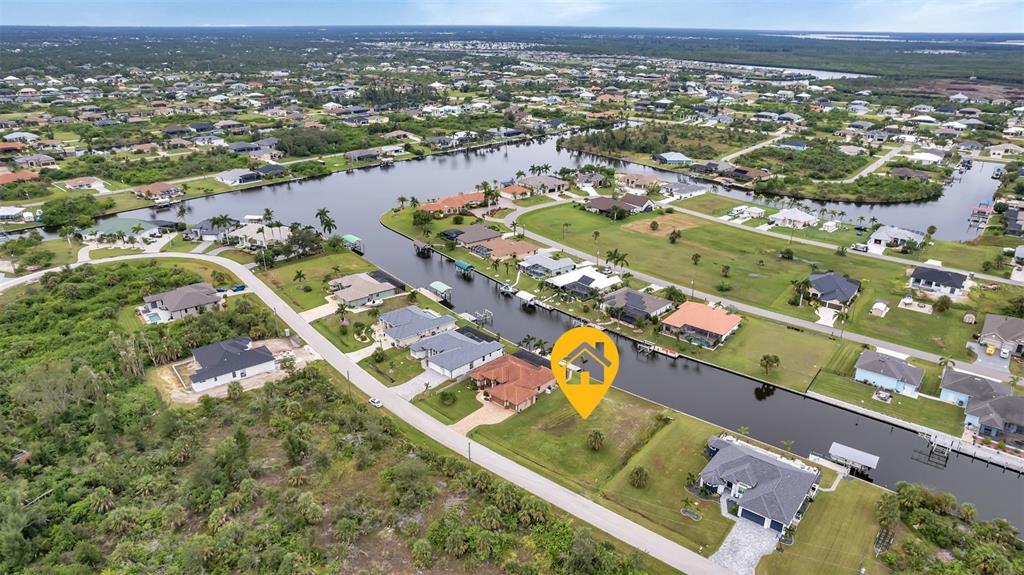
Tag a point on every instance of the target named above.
point(342, 338)
point(62, 252)
point(101, 253)
point(836, 534)
point(464, 404)
point(397, 367)
point(757, 274)
point(179, 244)
point(551, 437)
point(318, 271)
point(933, 413)
point(532, 201)
point(239, 256)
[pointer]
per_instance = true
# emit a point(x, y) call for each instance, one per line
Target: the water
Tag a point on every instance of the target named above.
point(773, 415)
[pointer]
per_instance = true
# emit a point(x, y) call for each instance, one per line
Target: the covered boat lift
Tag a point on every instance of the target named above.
point(422, 249)
point(353, 242)
point(464, 269)
point(441, 290)
point(855, 459)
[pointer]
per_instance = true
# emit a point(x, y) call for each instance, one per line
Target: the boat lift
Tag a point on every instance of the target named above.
point(507, 290)
point(853, 459)
point(464, 269)
point(527, 299)
point(442, 290)
point(422, 249)
point(353, 242)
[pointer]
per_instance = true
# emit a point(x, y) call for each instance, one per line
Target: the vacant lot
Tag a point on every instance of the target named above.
point(666, 224)
point(308, 291)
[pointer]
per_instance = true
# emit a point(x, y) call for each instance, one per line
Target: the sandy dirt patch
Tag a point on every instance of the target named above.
point(666, 223)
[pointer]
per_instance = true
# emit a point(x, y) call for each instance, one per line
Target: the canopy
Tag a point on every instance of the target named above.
point(439, 287)
point(464, 266)
point(847, 454)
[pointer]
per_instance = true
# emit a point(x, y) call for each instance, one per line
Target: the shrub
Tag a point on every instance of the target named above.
point(447, 397)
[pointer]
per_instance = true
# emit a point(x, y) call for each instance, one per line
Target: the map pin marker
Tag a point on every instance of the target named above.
point(590, 347)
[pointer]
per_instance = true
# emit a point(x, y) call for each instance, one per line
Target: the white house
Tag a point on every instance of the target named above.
point(793, 218)
point(230, 360)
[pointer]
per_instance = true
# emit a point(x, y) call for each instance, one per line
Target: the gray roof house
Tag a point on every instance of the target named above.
point(545, 184)
point(633, 306)
point(1002, 417)
point(180, 302)
point(454, 354)
point(769, 490)
point(475, 234)
point(833, 290)
point(227, 361)
point(888, 372)
point(893, 236)
point(543, 265)
point(405, 325)
point(1004, 332)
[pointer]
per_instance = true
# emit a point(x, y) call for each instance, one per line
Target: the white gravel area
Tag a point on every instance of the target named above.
point(744, 547)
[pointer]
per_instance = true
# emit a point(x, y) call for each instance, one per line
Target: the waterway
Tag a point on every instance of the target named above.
point(356, 201)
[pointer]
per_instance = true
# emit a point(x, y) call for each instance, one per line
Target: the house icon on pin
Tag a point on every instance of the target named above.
point(586, 350)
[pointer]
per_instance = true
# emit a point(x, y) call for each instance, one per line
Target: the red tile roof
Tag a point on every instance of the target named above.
point(703, 317)
point(450, 203)
point(17, 177)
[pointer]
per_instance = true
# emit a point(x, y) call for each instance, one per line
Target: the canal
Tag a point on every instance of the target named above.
point(356, 201)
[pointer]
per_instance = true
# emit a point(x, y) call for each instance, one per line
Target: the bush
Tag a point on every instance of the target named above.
point(457, 220)
point(447, 397)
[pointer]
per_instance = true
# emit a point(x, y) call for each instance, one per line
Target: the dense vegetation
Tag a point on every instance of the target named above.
point(24, 190)
point(311, 142)
point(696, 142)
point(25, 251)
point(136, 172)
point(99, 475)
point(935, 521)
point(821, 161)
point(75, 211)
point(872, 189)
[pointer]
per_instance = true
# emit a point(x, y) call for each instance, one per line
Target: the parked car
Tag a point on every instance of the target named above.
point(859, 247)
point(1004, 353)
point(239, 287)
point(376, 402)
point(374, 303)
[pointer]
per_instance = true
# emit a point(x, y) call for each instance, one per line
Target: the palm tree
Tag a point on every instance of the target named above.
point(545, 168)
point(565, 226)
point(220, 221)
point(413, 201)
point(695, 258)
point(534, 169)
point(300, 276)
point(323, 215)
point(66, 232)
point(520, 174)
point(268, 215)
point(597, 251)
point(841, 317)
point(595, 440)
point(401, 201)
point(182, 210)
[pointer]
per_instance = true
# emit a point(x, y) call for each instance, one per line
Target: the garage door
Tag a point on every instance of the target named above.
point(752, 516)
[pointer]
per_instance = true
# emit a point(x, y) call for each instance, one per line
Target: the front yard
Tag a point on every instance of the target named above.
point(396, 366)
point(464, 402)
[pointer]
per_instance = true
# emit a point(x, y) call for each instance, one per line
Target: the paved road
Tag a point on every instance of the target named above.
point(586, 510)
point(734, 155)
point(743, 307)
point(870, 169)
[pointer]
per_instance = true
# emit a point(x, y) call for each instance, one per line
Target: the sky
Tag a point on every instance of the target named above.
point(1006, 16)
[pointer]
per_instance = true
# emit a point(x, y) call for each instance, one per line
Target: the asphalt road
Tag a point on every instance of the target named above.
point(633, 534)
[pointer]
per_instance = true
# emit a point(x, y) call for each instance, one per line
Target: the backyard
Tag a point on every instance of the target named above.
point(310, 290)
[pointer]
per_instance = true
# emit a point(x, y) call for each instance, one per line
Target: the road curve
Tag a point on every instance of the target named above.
point(625, 530)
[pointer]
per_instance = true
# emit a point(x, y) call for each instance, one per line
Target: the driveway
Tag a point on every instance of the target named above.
point(429, 379)
point(744, 547)
point(990, 366)
point(488, 414)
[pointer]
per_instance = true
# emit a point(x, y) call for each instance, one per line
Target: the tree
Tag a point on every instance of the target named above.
point(695, 258)
point(931, 230)
point(743, 430)
point(725, 271)
point(943, 304)
point(674, 236)
point(401, 201)
point(300, 276)
point(653, 225)
point(887, 511)
point(788, 445)
point(327, 224)
point(639, 477)
point(769, 361)
point(595, 440)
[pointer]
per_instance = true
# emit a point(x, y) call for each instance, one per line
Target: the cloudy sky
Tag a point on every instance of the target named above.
point(820, 15)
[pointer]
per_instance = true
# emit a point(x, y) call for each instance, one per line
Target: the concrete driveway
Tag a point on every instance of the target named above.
point(990, 366)
point(488, 414)
point(744, 547)
point(429, 379)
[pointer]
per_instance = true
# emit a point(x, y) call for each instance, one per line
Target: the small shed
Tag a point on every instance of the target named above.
point(971, 317)
point(880, 308)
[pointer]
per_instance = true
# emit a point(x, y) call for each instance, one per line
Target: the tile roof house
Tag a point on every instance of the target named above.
point(833, 290)
point(158, 190)
point(503, 248)
point(893, 236)
point(938, 281)
point(512, 382)
point(888, 372)
point(632, 306)
point(769, 490)
point(701, 324)
point(405, 325)
point(793, 218)
point(454, 354)
point(515, 191)
point(544, 184)
point(184, 301)
point(453, 204)
point(230, 360)
point(260, 235)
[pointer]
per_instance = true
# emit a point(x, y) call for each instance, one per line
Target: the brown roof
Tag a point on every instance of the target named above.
point(455, 202)
point(511, 393)
point(503, 248)
point(512, 371)
point(8, 146)
point(703, 317)
point(17, 177)
point(83, 181)
point(155, 188)
point(516, 190)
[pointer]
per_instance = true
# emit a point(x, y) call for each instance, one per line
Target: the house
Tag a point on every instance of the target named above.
point(701, 324)
point(270, 170)
point(608, 206)
point(515, 192)
point(259, 235)
point(768, 489)
point(543, 265)
point(795, 145)
point(180, 302)
point(833, 290)
point(888, 372)
point(208, 231)
point(209, 141)
point(403, 135)
point(584, 282)
point(909, 174)
point(928, 158)
point(158, 190)
point(403, 326)
point(673, 159)
point(237, 176)
point(545, 184)
point(793, 218)
point(455, 353)
point(354, 290)
point(84, 183)
point(938, 281)
point(592, 179)
point(512, 382)
point(14, 214)
point(682, 190)
point(637, 182)
point(1004, 332)
point(230, 360)
point(243, 147)
point(362, 155)
point(1000, 418)
point(121, 228)
point(965, 389)
point(35, 161)
point(637, 203)
point(475, 234)
point(632, 306)
point(23, 137)
point(1000, 150)
point(891, 236)
point(453, 204)
point(11, 177)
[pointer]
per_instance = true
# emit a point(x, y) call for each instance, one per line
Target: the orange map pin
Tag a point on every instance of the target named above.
point(584, 345)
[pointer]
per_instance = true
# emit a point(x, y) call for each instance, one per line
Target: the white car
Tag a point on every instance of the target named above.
point(1004, 353)
point(376, 402)
point(374, 303)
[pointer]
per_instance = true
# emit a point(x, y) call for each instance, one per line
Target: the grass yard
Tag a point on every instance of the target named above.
point(62, 252)
point(712, 204)
point(552, 438)
point(933, 413)
point(397, 367)
point(464, 404)
point(318, 270)
point(532, 201)
point(239, 256)
point(179, 244)
point(101, 253)
point(836, 534)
